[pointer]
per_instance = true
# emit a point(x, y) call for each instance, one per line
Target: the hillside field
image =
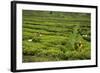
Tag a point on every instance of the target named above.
point(55, 36)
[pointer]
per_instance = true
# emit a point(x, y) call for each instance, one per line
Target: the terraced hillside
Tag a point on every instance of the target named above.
point(55, 36)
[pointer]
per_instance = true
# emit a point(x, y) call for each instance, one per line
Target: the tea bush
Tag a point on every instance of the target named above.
point(53, 36)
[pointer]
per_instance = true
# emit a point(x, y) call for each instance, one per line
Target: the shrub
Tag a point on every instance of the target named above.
point(77, 55)
point(54, 53)
point(36, 39)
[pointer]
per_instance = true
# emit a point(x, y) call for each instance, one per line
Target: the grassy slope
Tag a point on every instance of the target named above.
point(59, 32)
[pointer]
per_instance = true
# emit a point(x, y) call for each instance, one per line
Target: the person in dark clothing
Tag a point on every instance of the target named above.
point(78, 45)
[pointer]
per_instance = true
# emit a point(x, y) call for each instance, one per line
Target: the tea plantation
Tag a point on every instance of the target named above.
point(55, 36)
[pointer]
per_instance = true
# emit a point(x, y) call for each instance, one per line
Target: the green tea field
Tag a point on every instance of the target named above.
point(55, 36)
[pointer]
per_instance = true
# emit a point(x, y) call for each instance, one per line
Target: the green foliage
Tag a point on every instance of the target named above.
point(36, 39)
point(54, 34)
